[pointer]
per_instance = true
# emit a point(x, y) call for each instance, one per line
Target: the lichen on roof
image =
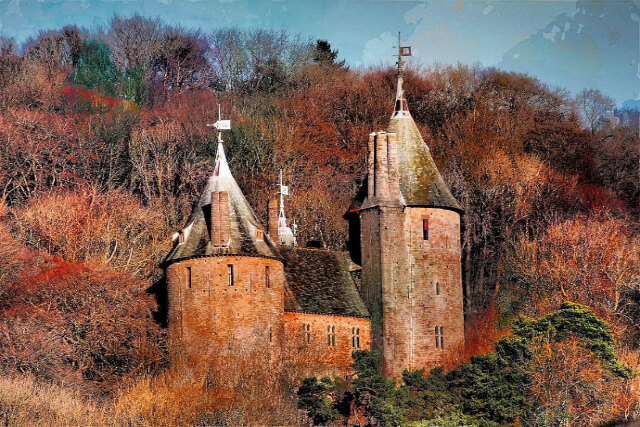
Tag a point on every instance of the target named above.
point(242, 220)
point(420, 181)
point(321, 282)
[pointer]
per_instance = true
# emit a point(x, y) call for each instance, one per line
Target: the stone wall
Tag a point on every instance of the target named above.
point(436, 282)
point(209, 317)
point(326, 344)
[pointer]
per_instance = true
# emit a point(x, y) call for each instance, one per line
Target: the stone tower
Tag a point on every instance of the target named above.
point(404, 227)
point(225, 279)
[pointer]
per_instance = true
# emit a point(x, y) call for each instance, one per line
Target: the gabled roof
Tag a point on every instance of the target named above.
point(242, 221)
point(321, 282)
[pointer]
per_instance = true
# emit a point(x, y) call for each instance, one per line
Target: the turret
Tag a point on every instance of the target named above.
point(225, 280)
point(408, 225)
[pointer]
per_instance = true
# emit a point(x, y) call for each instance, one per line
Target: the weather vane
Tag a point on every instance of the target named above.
point(220, 125)
point(401, 109)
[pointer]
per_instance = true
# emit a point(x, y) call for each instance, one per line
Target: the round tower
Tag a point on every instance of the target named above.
point(405, 231)
point(225, 280)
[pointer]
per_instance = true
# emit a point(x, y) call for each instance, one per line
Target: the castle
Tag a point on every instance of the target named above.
point(236, 288)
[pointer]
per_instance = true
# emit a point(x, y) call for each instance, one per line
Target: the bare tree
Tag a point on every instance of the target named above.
point(593, 104)
point(133, 40)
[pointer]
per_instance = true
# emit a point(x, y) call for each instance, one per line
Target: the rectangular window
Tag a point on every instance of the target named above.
point(267, 282)
point(270, 334)
point(259, 234)
point(425, 229)
point(230, 274)
point(188, 278)
point(437, 288)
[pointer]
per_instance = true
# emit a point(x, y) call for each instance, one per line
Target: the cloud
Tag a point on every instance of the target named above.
point(443, 44)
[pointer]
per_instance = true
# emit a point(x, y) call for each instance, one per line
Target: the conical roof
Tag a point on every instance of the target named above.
point(420, 181)
point(196, 240)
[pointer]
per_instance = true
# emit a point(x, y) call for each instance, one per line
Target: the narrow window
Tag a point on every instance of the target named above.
point(267, 282)
point(437, 288)
point(270, 334)
point(355, 337)
point(259, 234)
point(306, 333)
point(331, 336)
point(425, 229)
point(439, 337)
point(188, 277)
point(230, 274)
point(180, 237)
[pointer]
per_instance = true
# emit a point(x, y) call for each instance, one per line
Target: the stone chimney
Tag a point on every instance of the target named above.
point(394, 173)
point(371, 158)
point(220, 228)
point(272, 221)
point(384, 176)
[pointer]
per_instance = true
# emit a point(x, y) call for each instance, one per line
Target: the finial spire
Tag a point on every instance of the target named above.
point(221, 166)
point(401, 109)
point(285, 234)
point(220, 125)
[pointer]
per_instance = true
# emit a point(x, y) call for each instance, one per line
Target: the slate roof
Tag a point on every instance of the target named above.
point(420, 181)
point(242, 221)
point(321, 282)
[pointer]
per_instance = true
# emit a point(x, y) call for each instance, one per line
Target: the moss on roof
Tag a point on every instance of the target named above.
point(242, 221)
point(320, 282)
point(420, 181)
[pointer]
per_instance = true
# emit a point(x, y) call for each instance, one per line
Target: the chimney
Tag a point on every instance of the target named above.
point(272, 221)
point(220, 228)
point(381, 167)
point(371, 188)
point(394, 173)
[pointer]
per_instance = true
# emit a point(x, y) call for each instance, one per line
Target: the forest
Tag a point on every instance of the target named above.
point(104, 148)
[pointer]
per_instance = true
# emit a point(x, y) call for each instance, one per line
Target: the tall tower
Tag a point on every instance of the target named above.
point(225, 280)
point(405, 231)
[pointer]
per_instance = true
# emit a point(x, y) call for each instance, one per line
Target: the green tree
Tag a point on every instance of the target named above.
point(314, 398)
point(95, 69)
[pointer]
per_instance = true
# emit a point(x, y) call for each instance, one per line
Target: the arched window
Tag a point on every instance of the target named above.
point(331, 335)
point(439, 335)
point(425, 229)
point(355, 337)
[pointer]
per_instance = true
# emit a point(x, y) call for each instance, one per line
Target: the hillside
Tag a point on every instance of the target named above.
point(104, 148)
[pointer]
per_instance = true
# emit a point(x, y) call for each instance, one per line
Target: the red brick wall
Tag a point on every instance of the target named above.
point(318, 357)
point(211, 318)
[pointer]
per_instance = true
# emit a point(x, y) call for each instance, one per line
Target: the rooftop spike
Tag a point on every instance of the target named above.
point(286, 236)
point(401, 108)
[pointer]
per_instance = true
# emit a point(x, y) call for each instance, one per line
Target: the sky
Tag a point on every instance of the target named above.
point(572, 44)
